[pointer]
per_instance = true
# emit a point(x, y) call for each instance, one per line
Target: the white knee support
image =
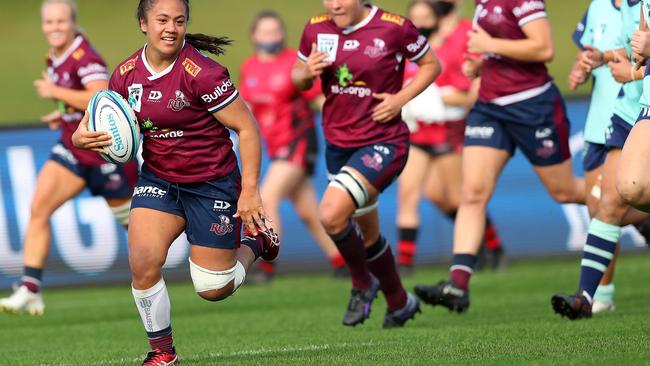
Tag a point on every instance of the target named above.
point(348, 181)
point(121, 213)
point(206, 280)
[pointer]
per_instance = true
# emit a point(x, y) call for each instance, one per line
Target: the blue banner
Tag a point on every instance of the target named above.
point(89, 246)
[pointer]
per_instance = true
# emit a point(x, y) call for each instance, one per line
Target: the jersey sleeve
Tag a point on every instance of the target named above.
point(580, 35)
point(306, 41)
point(91, 67)
point(116, 84)
point(525, 11)
point(215, 88)
point(414, 45)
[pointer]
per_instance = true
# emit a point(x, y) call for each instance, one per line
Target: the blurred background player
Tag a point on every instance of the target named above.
point(433, 168)
point(598, 34)
point(190, 180)
point(287, 125)
point(75, 71)
point(518, 106)
point(613, 213)
point(358, 51)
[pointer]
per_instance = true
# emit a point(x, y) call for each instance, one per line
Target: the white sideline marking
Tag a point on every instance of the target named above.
point(253, 352)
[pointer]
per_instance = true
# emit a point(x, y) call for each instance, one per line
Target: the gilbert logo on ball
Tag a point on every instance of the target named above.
point(109, 112)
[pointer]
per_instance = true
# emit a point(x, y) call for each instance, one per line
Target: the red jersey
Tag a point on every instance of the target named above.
point(282, 110)
point(79, 65)
point(183, 141)
point(503, 80)
point(366, 58)
point(451, 56)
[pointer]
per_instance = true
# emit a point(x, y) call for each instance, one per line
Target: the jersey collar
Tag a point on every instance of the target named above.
point(363, 23)
point(57, 61)
point(157, 75)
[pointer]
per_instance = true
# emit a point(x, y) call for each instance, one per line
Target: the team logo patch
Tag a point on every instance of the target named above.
point(78, 54)
point(220, 205)
point(376, 161)
point(135, 96)
point(392, 18)
point(179, 102)
point(377, 50)
point(547, 150)
point(319, 19)
point(191, 68)
point(328, 43)
point(223, 227)
point(128, 66)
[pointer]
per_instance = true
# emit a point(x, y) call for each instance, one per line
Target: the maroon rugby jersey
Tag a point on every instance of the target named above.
point(282, 111)
point(77, 66)
point(183, 141)
point(503, 78)
point(366, 58)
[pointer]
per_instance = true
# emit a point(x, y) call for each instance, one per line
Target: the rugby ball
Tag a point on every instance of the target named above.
point(109, 112)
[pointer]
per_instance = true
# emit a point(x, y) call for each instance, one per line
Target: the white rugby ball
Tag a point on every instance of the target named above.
point(109, 112)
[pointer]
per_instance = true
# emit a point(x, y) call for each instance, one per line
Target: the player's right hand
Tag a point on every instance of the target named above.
point(577, 76)
point(90, 140)
point(53, 119)
point(316, 62)
point(591, 58)
point(472, 66)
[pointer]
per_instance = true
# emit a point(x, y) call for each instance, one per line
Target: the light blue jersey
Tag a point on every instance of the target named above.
point(600, 27)
point(627, 104)
point(645, 97)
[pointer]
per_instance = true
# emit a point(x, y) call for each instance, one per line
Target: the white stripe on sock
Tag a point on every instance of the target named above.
point(599, 252)
point(461, 267)
point(593, 264)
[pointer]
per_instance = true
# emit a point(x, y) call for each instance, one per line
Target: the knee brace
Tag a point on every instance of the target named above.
point(206, 280)
point(121, 213)
point(348, 181)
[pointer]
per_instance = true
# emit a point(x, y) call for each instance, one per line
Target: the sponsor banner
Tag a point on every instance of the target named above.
point(89, 246)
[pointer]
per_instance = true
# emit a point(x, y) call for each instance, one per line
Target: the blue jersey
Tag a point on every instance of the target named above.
point(645, 97)
point(600, 28)
point(627, 104)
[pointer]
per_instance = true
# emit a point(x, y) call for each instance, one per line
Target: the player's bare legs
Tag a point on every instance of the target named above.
point(304, 201)
point(285, 180)
point(633, 177)
point(443, 182)
point(561, 183)
point(55, 186)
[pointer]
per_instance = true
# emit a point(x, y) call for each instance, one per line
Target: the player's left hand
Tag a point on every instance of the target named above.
point(479, 41)
point(621, 68)
point(45, 87)
point(251, 211)
point(53, 119)
point(641, 43)
point(389, 107)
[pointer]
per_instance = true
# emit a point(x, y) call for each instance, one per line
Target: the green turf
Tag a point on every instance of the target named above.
point(112, 28)
point(295, 321)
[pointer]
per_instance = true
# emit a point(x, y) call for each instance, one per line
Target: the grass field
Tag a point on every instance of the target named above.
point(112, 28)
point(295, 321)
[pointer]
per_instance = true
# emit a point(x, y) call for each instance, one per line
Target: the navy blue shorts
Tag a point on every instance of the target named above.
point(538, 126)
point(594, 156)
point(379, 163)
point(207, 207)
point(108, 180)
point(617, 133)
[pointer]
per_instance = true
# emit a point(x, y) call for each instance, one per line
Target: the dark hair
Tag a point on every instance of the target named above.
point(267, 14)
point(200, 41)
point(440, 8)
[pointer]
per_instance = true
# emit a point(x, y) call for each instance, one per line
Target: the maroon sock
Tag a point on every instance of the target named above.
point(382, 265)
point(491, 237)
point(350, 245)
point(162, 340)
point(461, 269)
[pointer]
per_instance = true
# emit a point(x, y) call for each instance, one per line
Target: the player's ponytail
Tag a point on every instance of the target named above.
point(202, 42)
